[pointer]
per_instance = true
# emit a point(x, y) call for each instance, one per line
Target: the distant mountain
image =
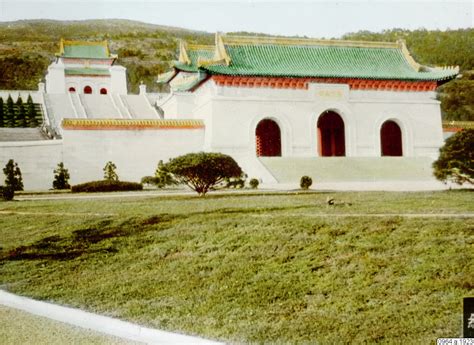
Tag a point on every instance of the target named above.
point(27, 47)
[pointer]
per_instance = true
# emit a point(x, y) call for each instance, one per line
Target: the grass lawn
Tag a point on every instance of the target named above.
point(267, 268)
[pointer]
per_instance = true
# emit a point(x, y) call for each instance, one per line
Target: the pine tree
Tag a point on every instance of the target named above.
point(31, 120)
point(10, 115)
point(109, 172)
point(13, 176)
point(61, 177)
point(21, 114)
point(2, 115)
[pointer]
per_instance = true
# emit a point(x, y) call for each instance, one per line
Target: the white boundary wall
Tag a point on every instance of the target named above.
point(135, 152)
point(36, 160)
point(99, 323)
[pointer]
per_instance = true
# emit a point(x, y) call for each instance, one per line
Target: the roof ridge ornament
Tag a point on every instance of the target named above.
point(220, 53)
point(183, 54)
point(406, 53)
point(256, 40)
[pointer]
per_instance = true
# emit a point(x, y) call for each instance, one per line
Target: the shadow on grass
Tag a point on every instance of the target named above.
point(86, 241)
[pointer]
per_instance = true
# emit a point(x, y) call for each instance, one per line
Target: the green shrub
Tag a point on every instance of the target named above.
point(106, 186)
point(13, 176)
point(456, 158)
point(61, 177)
point(306, 182)
point(110, 172)
point(150, 180)
point(235, 183)
point(163, 177)
point(203, 171)
point(7, 193)
point(254, 183)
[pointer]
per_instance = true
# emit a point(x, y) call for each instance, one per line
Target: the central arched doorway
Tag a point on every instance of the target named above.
point(391, 139)
point(268, 139)
point(87, 89)
point(331, 137)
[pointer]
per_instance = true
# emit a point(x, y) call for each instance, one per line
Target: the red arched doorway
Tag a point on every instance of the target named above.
point(331, 135)
point(268, 139)
point(72, 89)
point(391, 139)
point(87, 89)
point(103, 91)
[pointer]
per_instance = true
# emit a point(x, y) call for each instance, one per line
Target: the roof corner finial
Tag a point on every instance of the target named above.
point(183, 54)
point(406, 53)
point(220, 52)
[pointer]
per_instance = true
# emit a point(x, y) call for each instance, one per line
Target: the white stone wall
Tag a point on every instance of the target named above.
point(232, 114)
point(80, 82)
point(58, 82)
point(135, 152)
point(36, 159)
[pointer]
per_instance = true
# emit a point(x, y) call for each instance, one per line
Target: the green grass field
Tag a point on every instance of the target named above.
point(265, 268)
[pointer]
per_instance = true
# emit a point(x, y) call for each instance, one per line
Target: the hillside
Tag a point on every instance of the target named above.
point(28, 46)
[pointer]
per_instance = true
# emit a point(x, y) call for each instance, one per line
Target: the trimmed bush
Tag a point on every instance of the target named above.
point(456, 159)
point(306, 182)
point(254, 183)
point(13, 176)
point(106, 186)
point(6, 193)
point(110, 172)
point(203, 171)
point(150, 180)
point(61, 177)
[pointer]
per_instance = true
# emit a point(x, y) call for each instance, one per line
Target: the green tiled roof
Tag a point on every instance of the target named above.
point(165, 77)
point(203, 53)
point(84, 49)
point(86, 71)
point(189, 83)
point(335, 60)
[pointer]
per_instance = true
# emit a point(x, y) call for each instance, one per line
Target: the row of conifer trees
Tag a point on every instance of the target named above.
point(19, 114)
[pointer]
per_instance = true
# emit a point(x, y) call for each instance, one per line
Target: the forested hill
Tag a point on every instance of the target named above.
point(439, 48)
point(27, 47)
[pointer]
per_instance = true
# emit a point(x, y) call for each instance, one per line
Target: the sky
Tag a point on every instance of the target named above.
point(321, 19)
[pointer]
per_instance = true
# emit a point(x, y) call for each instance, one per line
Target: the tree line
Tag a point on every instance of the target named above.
point(19, 114)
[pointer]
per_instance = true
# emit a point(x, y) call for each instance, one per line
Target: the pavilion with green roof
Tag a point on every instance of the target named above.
point(277, 97)
point(85, 67)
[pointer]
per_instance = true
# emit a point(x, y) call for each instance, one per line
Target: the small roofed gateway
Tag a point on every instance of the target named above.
point(293, 97)
point(85, 67)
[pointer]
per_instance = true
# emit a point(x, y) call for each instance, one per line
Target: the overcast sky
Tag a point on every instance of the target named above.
point(310, 18)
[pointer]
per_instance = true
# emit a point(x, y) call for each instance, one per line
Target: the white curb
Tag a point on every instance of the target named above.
point(99, 323)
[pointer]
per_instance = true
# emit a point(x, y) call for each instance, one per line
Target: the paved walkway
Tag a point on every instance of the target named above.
point(395, 186)
point(99, 323)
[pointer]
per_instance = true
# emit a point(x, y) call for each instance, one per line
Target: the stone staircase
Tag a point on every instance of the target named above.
point(349, 169)
point(22, 134)
point(58, 107)
point(139, 107)
point(99, 107)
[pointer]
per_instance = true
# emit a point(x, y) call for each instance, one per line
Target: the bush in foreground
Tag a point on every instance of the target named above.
point(110, 172)
point(306, 182)
point(13, 176)
point(6, 193)
point(106, 186)
point(61, 177)
point(203, 170)
point(254, 183)
point(456, 158)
